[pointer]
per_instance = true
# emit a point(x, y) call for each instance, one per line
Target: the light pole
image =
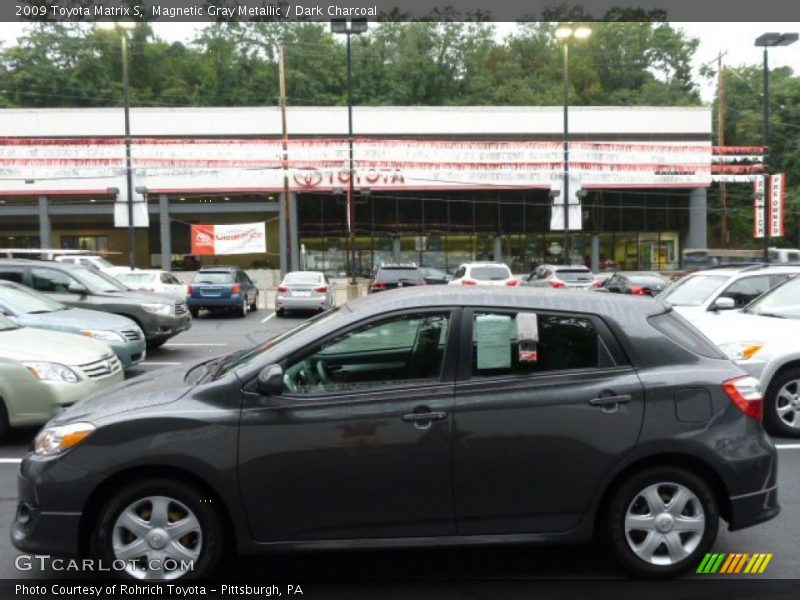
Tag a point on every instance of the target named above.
point(767, 40)
point(122, 27)
point(350, 27)
point(566, 33)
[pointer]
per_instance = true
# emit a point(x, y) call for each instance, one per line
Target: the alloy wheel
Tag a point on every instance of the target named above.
point(787, 404)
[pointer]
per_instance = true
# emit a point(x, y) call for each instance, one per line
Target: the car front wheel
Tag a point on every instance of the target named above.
point(242, 310)
point(159, 529)
point(782, 404)
point(662, 521)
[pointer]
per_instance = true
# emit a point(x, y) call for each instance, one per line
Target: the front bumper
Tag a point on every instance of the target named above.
point(129, 352)
point(161, 328)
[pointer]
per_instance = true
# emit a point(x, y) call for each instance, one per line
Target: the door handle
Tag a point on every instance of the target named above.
point(609, 400)
point(418, 417)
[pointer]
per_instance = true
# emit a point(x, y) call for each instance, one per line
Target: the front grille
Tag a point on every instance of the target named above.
point(132, 334)
point(102, 368)
point(180, 308)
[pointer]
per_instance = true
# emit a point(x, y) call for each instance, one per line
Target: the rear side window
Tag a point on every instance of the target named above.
point(213, 277)
point(679, 331)
point(574, 275)
point(391, 275)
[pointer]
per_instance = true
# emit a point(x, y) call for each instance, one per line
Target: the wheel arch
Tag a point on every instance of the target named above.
point(773, 371)
point(102, 492)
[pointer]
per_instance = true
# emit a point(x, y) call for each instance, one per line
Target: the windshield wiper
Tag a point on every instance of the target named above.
point(40, 312)
point(219, 366)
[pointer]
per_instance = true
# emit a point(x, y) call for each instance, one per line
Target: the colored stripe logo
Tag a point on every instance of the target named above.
point(733, 563)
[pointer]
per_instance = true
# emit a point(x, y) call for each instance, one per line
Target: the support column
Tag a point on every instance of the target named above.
point(396, 249)
point(282, 234)
point(696, 236)
point(165, 231)
point(45, 227)
point(595, 253)
point(295, 266)
point(498, 248)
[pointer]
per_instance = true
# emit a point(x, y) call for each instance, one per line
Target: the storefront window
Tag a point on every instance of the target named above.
point(92, 243)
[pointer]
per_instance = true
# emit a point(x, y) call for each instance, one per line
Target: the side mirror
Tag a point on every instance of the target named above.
point(723, 303)
point(77, 288)
point(270, 381)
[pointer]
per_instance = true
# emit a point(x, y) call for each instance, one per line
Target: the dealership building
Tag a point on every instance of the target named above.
point(433, 185)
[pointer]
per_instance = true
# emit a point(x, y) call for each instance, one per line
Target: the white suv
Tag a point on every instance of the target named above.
point(484, 273)
point(724, 288)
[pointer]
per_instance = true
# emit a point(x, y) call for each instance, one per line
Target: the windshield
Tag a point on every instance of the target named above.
point(213, 277)
point(783, 301)
point(574, 275)
point(6, 324)
point(693, 291)
point(218, 367)
point(98, 282)
point(27, 301)
point(498, 273)
point(136, 278)
point(302, 277)
point(392, 275)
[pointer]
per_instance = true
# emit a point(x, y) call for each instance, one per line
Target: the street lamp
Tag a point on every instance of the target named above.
point(123, 27)
point(350, 27)
point(767, 40)
point(565, 33)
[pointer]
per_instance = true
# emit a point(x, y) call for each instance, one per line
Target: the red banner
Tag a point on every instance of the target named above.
point(203, 240)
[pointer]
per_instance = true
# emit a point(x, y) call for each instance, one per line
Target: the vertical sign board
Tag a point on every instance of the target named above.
point(777, 194)
point(759, 194)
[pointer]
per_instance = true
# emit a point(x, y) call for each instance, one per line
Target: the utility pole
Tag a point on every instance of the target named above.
point(723, 191)
point(287, 203)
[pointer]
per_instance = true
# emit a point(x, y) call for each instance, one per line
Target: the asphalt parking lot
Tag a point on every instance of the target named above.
point(217, 334)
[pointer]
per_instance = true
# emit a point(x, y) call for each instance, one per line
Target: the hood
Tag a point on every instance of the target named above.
point(146, 391)
point(75, 319)
point(727, 326)
point(28, 343)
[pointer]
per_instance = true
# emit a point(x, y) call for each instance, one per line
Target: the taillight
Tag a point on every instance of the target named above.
point(321, 290)
point(512, 283)
point(378, 286)
point(597, 284)
point(236, 288)
point(556, 284)
point(468, 282)
point(189, 290)
point(422, 282)
point(745, 394)
point(639, 291)
point(282, 289)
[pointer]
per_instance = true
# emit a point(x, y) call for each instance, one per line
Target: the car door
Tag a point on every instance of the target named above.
point(358, 445)
point(538, 424)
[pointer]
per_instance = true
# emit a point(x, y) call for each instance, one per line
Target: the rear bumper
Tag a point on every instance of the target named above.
point(231, 301)
point(162, 328)
point(303, 303)
point(751, 509)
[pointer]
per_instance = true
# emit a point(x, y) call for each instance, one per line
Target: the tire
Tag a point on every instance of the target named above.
point(642, 549)
point(280, 313)
point(152, 345)
point(202, 544)
point(254, 305)
point(782, 404)
point(195, 312)
point(4, 426)
point(241, 311)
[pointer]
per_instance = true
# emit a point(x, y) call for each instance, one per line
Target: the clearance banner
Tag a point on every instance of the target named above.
point(242, 238)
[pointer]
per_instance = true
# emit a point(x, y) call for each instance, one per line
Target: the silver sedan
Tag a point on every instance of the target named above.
point(304, 290)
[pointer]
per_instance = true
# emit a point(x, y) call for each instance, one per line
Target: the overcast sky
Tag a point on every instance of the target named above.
point(736, 39)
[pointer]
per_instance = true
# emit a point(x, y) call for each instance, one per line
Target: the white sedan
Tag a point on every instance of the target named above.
point(153, 280)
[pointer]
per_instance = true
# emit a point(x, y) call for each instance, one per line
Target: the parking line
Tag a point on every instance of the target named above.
point(10, 461)
point(195, 344)
point(787, 446)
point(265, 319)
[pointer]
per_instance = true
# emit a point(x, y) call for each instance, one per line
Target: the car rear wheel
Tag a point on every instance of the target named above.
point(254, 305)
point(4, 427)
point(280, 313)
point(195, 312)
point(662, 520)
point(242, 310)
point(159, 529)
point(782, 404)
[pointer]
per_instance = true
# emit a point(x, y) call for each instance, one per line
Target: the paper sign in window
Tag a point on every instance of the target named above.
point(527, 338)
point(493, 341)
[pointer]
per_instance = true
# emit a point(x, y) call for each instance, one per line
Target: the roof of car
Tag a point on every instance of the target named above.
point(26, 262)
point(617, 307)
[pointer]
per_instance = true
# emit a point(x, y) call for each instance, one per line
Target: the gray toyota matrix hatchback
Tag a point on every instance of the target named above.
point(434, 416)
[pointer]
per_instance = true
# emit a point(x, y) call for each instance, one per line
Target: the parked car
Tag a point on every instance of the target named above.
point(762, 338)
point(160, 317)
point(222, 288)
point(304, 290)
point(486, 415)
point(154, 280)
point(389, 276)
point(88, 260)
point(560, 276)
point(635, 283)
point(29, 308)
point(43, 372)
point(724, 288)
point(484, 273)
point(435, 276)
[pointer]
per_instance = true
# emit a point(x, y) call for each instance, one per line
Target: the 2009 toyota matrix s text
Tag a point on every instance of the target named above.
point(421, 418)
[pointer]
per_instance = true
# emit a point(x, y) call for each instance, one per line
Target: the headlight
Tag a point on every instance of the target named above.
point(159, 309)
point(55, 440)
point(53, 372)
point(106, 336)
point(741, 350)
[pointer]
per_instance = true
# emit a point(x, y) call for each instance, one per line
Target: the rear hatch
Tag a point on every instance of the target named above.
point(490, 274)
point(215, 285)
point(575, 278)
point(389, 278)
point(303, 286)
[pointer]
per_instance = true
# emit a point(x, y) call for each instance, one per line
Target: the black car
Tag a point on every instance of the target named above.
point(415, 417)
point(159, 316)
point(635, 283)
point(435, 276)
point(388, 277)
